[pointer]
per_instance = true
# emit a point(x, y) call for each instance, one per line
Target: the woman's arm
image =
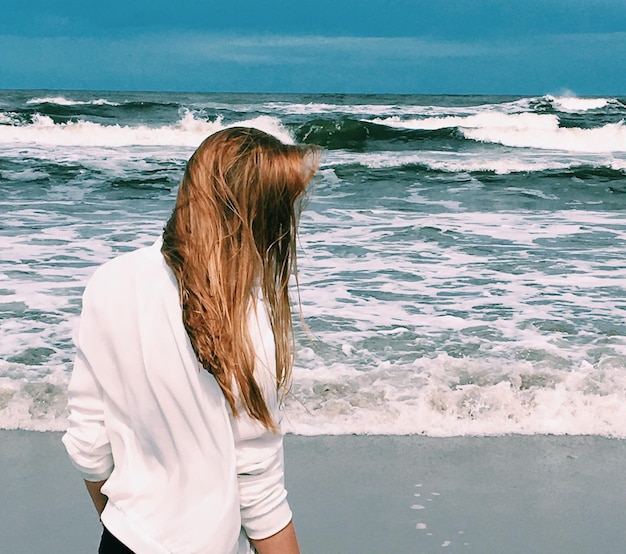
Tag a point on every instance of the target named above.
point(99, 499)
point(86, 440)
point(283, 542)
point(265, 512)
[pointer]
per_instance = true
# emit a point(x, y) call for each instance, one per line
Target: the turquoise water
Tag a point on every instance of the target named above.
point(461, 263)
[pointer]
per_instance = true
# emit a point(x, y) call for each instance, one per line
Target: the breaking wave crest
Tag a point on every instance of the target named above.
point(189, 130)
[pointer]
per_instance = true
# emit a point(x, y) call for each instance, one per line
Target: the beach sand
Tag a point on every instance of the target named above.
point(372, 494)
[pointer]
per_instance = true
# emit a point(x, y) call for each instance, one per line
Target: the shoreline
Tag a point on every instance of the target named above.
point(373, 494)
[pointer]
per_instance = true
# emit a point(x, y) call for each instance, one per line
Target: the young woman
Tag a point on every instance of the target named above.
point(183, 353)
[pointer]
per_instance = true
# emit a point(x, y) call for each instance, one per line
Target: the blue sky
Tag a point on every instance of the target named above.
point(394, 46)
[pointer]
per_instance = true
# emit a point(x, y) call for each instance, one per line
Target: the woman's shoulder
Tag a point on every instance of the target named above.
point(144, 263)
point(137, 257)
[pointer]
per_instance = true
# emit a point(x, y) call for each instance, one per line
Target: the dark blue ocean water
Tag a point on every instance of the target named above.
point(462, 261)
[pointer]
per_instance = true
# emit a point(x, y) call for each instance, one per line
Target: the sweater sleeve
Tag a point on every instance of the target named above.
point(86, 439)
point(260, 474)
point(259, 451)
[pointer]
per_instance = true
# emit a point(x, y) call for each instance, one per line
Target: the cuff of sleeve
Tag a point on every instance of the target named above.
point(89, 474)
point(269, 524)
point(92, 468)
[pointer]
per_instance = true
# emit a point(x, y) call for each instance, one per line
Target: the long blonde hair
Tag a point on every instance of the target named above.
point(233, 228)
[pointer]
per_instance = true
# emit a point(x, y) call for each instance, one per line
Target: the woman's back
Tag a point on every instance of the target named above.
point(181, 436)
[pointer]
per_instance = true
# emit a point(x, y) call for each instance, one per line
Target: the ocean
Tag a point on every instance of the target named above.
point(462, 262)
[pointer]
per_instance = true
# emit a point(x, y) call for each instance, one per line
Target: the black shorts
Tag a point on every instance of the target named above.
point(110, 545)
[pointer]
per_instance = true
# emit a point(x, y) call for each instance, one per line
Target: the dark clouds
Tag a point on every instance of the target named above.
point(450, 19)
point(447, 46)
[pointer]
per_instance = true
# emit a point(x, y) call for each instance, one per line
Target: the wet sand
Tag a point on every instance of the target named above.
point(372, 494)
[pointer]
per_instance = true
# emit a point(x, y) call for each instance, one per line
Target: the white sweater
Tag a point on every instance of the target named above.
point(183, 475)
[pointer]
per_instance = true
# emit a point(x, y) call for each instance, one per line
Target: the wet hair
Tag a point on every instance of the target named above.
point(233, 229)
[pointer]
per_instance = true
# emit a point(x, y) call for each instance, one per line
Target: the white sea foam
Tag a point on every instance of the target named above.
point(8, 118)
point(519, 106)
point(527, 130)
point(573, 104)
point(514, 162)
point(570, 104)
point(441, 396)
point(446, 396)
point(387, 110)
point(62, 101)
point(28, 174)
point(188, 131)
point(489, 120)
point(314, 108)
point(545, 388)
point(34, 405)
point(619, 164)
point(609, 138)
